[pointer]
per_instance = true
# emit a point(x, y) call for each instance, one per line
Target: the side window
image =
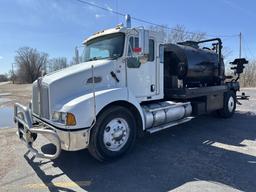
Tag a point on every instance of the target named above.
point(151, 56)
point(133, 42)
point(134, 62)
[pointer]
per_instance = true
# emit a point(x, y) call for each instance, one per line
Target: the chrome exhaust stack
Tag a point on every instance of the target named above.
point(128, 22)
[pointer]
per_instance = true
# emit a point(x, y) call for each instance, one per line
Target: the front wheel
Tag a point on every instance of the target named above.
point(229, 105)
point(113, 134)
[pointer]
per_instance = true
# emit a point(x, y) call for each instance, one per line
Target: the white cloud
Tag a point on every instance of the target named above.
point(98, 16)
point(1, 57)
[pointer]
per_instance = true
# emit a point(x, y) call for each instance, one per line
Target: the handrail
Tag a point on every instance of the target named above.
point(94, 98)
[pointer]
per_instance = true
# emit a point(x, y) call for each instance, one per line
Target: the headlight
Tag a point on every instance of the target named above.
point(64, 118)
point(59, 117)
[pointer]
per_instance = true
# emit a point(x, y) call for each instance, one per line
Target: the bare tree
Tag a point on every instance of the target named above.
point(30, 64)
point(4, 77)
point(226, 52)
point(78, 58)
point(248, 78)
point(75, 61)
point(178, 33)
point(57, 64)
point(12, 75)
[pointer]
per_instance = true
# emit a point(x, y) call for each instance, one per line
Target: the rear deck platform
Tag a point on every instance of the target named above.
point(188, 93)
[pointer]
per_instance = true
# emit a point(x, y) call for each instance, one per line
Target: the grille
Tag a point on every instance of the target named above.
point(35, 101)
point(41, 101)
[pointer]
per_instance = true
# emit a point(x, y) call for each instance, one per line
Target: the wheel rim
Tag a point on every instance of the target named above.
point(116, 134)
point(231, 104)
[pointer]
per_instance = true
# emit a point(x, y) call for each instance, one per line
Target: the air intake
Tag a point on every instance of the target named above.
point(128, 21)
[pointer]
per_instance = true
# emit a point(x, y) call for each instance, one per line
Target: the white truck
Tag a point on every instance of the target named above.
point(131, 82)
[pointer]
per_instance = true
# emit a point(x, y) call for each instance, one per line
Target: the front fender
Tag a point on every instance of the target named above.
point(83, 107)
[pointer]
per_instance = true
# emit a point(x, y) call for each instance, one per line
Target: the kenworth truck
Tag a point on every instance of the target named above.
point(130, 82)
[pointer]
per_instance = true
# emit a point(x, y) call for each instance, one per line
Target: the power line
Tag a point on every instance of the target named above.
point(122, 14)
point(225, 38)
point(100, 7)
point(247, 47)
point(143, 20)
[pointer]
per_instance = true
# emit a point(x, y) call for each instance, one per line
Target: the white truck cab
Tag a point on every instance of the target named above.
point(116, 93)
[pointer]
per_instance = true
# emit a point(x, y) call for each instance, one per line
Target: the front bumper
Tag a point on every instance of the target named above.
point(30, 126)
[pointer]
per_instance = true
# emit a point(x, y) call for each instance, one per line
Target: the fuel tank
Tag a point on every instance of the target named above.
point(193, 65)
point(160, 113)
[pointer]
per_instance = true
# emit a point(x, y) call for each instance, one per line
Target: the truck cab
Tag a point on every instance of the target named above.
point(130, 83)
point(136, 67)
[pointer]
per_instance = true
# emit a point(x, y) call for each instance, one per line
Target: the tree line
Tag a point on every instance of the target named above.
point(32, 63)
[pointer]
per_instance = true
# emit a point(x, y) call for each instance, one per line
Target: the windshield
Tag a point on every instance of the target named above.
point(105, 47)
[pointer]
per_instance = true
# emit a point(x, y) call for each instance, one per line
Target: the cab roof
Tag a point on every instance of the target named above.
point(117, 29)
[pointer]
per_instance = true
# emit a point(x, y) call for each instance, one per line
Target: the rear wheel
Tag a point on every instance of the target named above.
point(113, 134)
point(229, 105)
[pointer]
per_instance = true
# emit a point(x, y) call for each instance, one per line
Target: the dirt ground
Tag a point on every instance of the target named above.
point(13, 93)
point(205, 154)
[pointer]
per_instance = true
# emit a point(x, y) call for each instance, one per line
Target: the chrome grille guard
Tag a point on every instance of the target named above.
point(26, 129)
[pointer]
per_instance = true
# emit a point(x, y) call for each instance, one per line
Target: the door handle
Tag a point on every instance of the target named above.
point(152, 88)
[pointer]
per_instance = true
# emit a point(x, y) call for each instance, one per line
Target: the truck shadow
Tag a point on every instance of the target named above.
point(206, 148)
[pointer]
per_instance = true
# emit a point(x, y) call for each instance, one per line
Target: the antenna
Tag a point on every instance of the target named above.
point(117, 16)
point(240, 45)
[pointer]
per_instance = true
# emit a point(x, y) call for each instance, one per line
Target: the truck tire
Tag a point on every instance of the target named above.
point(229, 105)
point(113, 135)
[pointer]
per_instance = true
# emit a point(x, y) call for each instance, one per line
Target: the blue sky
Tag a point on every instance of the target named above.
point(57, 26)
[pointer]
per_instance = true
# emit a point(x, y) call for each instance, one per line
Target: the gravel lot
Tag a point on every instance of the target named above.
point(11, 93)
point(206, 154)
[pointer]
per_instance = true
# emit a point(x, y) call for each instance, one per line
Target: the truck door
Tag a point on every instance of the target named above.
point(141, 78)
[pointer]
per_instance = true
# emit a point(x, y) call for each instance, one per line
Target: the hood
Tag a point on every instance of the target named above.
point(76, 80)
point(74, 70)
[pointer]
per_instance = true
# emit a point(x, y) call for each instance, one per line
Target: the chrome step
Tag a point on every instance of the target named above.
point(168, 125)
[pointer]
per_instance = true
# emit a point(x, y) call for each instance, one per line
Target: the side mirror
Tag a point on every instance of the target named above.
point(144, 41)
point(143, 58)
point(133, 62)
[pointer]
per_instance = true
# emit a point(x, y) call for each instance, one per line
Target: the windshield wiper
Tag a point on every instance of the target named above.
point(114, 57)
point(95, 58)
point(99, 58)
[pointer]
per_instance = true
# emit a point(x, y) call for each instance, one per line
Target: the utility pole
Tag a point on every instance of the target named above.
point(76, 55)
point(12, 76)
point(240, 45)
